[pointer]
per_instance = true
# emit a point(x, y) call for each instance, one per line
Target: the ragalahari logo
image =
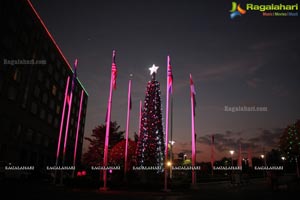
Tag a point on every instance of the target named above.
point(236, 10)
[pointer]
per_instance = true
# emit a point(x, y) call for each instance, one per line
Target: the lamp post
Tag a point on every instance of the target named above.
point(172, 142)
point(231, 153)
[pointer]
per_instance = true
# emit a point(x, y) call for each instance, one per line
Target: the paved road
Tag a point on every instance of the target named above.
point(256, 189)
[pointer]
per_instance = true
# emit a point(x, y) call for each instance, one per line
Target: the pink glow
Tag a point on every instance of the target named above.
point(140, 118)
point(78, 128)
point(49, 34)
point(112, 81)
point(193, 132)
point(79, 174)
point(83, 173)
point(67, 128)
point(167, 127)
point(62, 121)
point(127, 127)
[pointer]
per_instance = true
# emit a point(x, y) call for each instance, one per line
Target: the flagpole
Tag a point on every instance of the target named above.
point(108, 125)
point(61, 128)
point(127, 128)
point(167, 128)
point(140, 118)
point(212, 154)
point(77, 132)
point(171, 136)
point(68, 119)
point(193, 136)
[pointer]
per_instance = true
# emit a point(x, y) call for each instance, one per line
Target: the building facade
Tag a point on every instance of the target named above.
point(33, 76)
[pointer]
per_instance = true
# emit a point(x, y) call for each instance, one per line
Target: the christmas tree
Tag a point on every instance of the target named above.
point(150, 146)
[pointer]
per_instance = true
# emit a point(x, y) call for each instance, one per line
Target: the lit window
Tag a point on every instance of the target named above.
point(57, 109)
point(17, 75)
point(54, 90)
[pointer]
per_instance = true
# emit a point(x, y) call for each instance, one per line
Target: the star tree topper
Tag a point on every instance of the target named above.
point(153, 69)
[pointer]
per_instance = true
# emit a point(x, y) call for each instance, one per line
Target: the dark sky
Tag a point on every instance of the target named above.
point(250, 60)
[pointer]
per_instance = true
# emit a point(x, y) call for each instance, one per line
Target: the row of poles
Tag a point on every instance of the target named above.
point(68, 102)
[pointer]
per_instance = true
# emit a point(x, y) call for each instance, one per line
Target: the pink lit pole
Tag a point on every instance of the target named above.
point(140, 118)
point(61, 127)
point(77, 132)
point(69, 100)
point(127, 129)
point(193, 129)
point(112, 86)
point(169, 87)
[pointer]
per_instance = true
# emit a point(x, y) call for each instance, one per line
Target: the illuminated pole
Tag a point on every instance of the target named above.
point(140, 118)
point(112, 85)
point(77, 132)
point(61, 127)
point(69, 100)
point(171, 135)
point(193, 130)
point(167, 130)
point(127, 128)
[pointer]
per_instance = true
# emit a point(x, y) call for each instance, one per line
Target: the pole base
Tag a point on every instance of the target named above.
point(166, 190)
point(103, 189)
point(194, 187)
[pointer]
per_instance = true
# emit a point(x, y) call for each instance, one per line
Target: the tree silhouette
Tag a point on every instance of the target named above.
point(94, 155)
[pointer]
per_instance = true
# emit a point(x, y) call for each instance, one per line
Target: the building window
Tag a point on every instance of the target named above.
point(56, 76)
point(52, 104)
point(46, 141)
point(50, 118)
point(42, 114)
point(59, 96)
point(54, 90)
point(33, 108)
point(36, 91)
point(40, 75)
point(29, 135)
point(12, 93)
point(18, 131)
point(45, 98)
point(38, 139)
point(55, 122)
point(57, 109)
point(50, 69)
point(17, 75)
point(47, 83)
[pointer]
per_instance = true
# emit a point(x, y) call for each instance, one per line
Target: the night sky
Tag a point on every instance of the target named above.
point(250, 60)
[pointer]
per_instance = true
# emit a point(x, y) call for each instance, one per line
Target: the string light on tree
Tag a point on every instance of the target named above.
point(150, 146)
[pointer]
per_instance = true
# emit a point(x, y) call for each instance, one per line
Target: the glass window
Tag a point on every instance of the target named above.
point(50, 118)
point(55, 122)
point(47, 83)
point(33, 108)
point(54, 90)
point(17, 75)
point(57, 109)
point(36, 91)
point(50, 69)
point(42, 114)
point(29, 135)
point(45, 98)
point(12, 93)
point(52, 104)
point(40, 75)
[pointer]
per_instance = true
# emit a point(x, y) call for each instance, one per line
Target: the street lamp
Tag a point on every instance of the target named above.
point(231, 153)
point(263, 158)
